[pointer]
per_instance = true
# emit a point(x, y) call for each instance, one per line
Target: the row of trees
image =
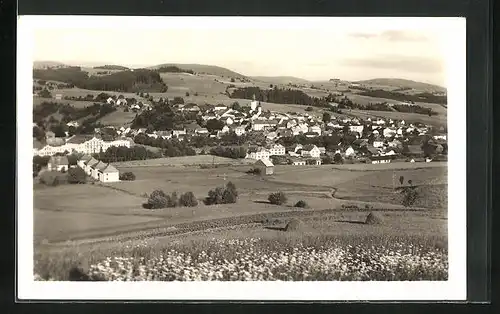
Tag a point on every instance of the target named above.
point(123, 81)
point(122, 153)
point(234, 152)
point(171, 147)
point(173, 69)
point(420, 97)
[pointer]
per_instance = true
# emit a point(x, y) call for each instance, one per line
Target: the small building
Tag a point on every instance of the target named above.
point(298, 162)
point(82, 161)
point(58, 163)
point(108, 173)
point(265, 166)
point(379, 159)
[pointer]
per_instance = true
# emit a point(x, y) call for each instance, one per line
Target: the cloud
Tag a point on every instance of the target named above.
point(397, 35)
point(392, 35)
point(401, 63)
point(363, 35)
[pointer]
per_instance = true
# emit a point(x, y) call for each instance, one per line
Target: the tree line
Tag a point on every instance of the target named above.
point(124, 81)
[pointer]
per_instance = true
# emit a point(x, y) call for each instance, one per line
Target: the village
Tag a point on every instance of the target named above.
point(372, 141)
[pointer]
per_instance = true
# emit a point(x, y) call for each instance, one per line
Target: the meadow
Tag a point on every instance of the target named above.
point(103, 225)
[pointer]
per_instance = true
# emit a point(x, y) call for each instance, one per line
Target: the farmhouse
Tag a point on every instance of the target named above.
point(277, 150)
point(310, 151)
point(107, 173)
point(257, 153)
point(265, 166)
point(58, 163)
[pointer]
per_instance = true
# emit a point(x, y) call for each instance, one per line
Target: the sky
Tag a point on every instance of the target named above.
point(309, 49)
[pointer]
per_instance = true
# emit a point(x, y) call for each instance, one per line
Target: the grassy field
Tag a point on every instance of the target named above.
point(438, 120)
point(118, 118)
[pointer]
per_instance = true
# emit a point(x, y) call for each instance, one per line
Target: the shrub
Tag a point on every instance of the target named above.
point(188, 199)
point(255, 171)
point(309, 109)
point(410, 196)
point(172, 200)
point(77, 176)
point(301, 204)
point(127, 176)
point(157, 199)
point(226, 195)
point(278, 198)
point(294, 225)
point(374, 219)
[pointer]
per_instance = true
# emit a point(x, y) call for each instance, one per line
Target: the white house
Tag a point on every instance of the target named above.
point(239, 130)
point(378, 143)
point(73, 124)
point(81, 162)
point(315, 129)
point(356, 128)
point(107, 173)
point(298, 162)
point(110, 100)
point(121, 102)
point(220, 107)
point(349, 151)
point(310, 151)
point(201, 131)
point(228, 121)
point(178, 132)
point(257, 153)
point(389, 132)
point(380, 159)
point(254, 104)
point(277, 150)
point(58, 163)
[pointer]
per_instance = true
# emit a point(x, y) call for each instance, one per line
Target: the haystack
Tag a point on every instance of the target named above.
point(374, 219)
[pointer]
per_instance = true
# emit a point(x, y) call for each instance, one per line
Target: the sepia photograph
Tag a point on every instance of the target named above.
point(266, 155)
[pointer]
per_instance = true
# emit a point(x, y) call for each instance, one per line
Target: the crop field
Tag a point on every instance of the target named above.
point(438, 120)
point(118, 118)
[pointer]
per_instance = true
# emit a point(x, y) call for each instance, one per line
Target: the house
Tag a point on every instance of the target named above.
point(201, 131)
point(107, 173)
point(81, 162)
point(178, 132)
point(311, 134)
point(265, 166)
point(277, 150)
point(58, 163)
point(261, 124)
point(322, 150)
point(74, 124)
point(379, 159)
point(254, 104)
point(240, 130)
point(389, 132)
point(110, 101)
point(298, 162)
point(356, 128)
point(310, 151)
point(271, 136)
point(220, 107)
point(315, 129)
point(49, 134)
point(314, 162)
point(394, 144)
point(228, 121)
point(257, 153)
point(225, 129)
point(378, 143)
point(58, 96)
point(440, 137)
point(349, 151)
point(121, 102)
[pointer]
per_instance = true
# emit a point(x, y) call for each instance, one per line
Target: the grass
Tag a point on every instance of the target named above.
point(236, 243)
point(118, 118)
point(182, 161)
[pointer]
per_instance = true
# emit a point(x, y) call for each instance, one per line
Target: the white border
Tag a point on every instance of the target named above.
point(453, 30)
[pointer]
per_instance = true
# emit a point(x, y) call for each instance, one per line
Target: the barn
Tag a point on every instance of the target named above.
point(265, 166)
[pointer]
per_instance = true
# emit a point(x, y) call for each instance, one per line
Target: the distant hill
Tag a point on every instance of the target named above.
point(202, 69)
point(281, 79)
point(402, 83)
point(112, 67)
point(48, 64)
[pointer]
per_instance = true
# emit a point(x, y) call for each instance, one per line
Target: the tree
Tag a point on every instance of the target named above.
point(38, 133)
point(326, 117)
point(214, 124)
point(232, 80)
point(401, 179)
point(187, 94)
point(278, 198)
point(44, 93)
point(226, 195)
point(337, 158)
point(76, 175)
point(127, 176)
point(236, 106)
point(188, 199)
point(309, 109)
point(410, 196)
point(301, 204)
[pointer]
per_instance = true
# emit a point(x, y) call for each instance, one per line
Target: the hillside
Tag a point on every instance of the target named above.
point(280, 79)
point(48, 64)
point(202, 69)
point(112, 67)
point(402, 83)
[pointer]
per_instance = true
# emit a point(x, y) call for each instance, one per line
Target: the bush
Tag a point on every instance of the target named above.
point(127, 176)
point(309, 109)
point(278, 198)
point(410, 196)
point(255, 171)
point(294, 225)
point(172, 200)
point(301, 204)
point(226, 195)
point(157, 201)
point(52, 178)
point(188, 199)
point(77, 176)
point(374, 219)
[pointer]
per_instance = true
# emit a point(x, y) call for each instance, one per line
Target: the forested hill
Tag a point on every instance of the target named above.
point(112, 67)
point(142, 80)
